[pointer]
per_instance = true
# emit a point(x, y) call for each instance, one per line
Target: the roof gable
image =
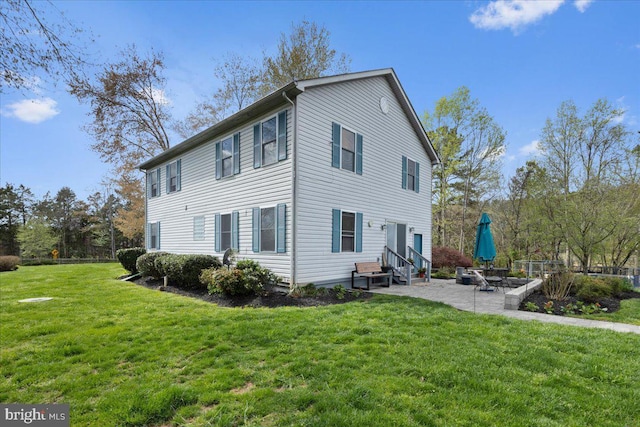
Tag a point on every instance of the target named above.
point(291, 90)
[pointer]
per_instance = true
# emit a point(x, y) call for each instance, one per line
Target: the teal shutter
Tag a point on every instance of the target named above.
point(404, 172)
point(217, 232)
point(335, 231)
point(167, 179)
point(358, 232)
point(255, 228)
point(236, 153)
point(149, 175)
point(158, 238)
point(281, 228)
point(417, 185)
point(282, 135)
point(235, 234)
point(335, 146)
point(218, 161)
point(179, 175)
point(359, 154)
point(257, 146)
point(158, 181)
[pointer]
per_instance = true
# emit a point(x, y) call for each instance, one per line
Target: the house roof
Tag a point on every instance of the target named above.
point(292, 90)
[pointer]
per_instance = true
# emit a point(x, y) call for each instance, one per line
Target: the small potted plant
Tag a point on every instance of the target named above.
point(410, 261)
point(421, 272)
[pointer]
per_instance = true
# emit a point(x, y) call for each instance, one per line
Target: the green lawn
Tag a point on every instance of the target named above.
point(124, 355)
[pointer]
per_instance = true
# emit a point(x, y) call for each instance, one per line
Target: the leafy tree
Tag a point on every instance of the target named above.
point(470, 144)
point(15, 205)
point(36, 239)
point(129, 110)
point(305, 53)
point(582, 155)
point(129, 218)
point(31, 43)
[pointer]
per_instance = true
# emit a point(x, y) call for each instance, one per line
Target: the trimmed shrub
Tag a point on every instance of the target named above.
point(448, 257)
point(128, 258)
point(247, 278)
point(593, 290)
point(184, 270)
point(9, 263)
point(146, 264)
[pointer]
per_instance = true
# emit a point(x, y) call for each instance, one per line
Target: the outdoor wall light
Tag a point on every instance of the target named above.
point(383, 227)
point(412, 229)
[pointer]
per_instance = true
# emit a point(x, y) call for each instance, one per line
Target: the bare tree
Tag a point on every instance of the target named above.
point(32, 44)
point(129, 108)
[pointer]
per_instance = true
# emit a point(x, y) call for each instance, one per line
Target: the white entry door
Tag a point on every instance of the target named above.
point(397, 238)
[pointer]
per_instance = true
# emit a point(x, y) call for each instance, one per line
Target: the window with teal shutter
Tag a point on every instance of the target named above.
point(281, 226)
point(417, 183)
point(153, 183)
point(255, 230)
point(404, 172)
point(217, 233)
point(173, 176)
point(270, 140)
point(346, 149)
point(335, 230)
point(358, 232)
point(235, 231)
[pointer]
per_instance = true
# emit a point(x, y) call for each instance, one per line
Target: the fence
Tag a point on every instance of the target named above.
point(538, 268)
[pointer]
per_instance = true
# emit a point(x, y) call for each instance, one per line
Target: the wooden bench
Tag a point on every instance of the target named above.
point(370, 270)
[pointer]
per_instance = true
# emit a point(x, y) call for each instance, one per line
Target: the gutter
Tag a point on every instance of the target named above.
point(294, 183)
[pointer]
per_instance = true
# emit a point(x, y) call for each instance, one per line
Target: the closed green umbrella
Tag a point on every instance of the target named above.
point(485, 249)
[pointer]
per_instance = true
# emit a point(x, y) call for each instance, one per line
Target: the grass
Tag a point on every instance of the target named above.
point(629, 312)
point(124, 355)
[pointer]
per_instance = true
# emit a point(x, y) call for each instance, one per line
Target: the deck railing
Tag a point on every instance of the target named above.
point(420, 262)
point(399, 264)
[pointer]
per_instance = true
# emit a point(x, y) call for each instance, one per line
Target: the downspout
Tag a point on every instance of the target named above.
point(294, 183)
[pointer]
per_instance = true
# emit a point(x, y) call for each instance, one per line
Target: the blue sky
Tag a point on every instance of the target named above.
point(520, 59)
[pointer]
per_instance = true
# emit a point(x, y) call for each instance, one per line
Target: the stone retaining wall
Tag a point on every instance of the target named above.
point(513, 298)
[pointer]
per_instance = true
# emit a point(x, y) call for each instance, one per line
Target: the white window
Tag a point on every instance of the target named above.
point(268, 230)
point(173, 177)
point(225, 232)
point(348, 231)
point(227, 157)
point(269, 146)
point(154, 235)
point(411, 175)
point(154, 183)
point(198, 228)
point(348, 150)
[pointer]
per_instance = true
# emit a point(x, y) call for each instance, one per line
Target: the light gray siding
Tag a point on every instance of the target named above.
point(377, 193)
point(202, 195)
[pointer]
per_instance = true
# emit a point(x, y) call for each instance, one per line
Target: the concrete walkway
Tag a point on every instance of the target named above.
point(468, 298)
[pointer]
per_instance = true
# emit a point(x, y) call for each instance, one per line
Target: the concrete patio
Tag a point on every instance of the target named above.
point(470, 298)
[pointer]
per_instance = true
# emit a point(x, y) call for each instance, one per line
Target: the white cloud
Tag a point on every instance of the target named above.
point(160, 96)
point(32, 110)
point(582, 5)
point(531, 149)
point(513, 14)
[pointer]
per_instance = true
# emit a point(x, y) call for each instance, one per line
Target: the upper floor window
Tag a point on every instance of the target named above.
point(228, 156)
point(270, 140)
point(410, 175)
point(173, 176)
point(153, 183)
point(346, 149)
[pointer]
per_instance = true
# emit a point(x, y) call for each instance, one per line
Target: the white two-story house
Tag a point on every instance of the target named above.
point(314, 177)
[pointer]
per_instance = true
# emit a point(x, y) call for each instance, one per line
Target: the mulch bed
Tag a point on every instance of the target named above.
point(611, 304)
point(270, 299)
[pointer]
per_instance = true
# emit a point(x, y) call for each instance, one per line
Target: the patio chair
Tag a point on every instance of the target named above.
point(481, 282)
